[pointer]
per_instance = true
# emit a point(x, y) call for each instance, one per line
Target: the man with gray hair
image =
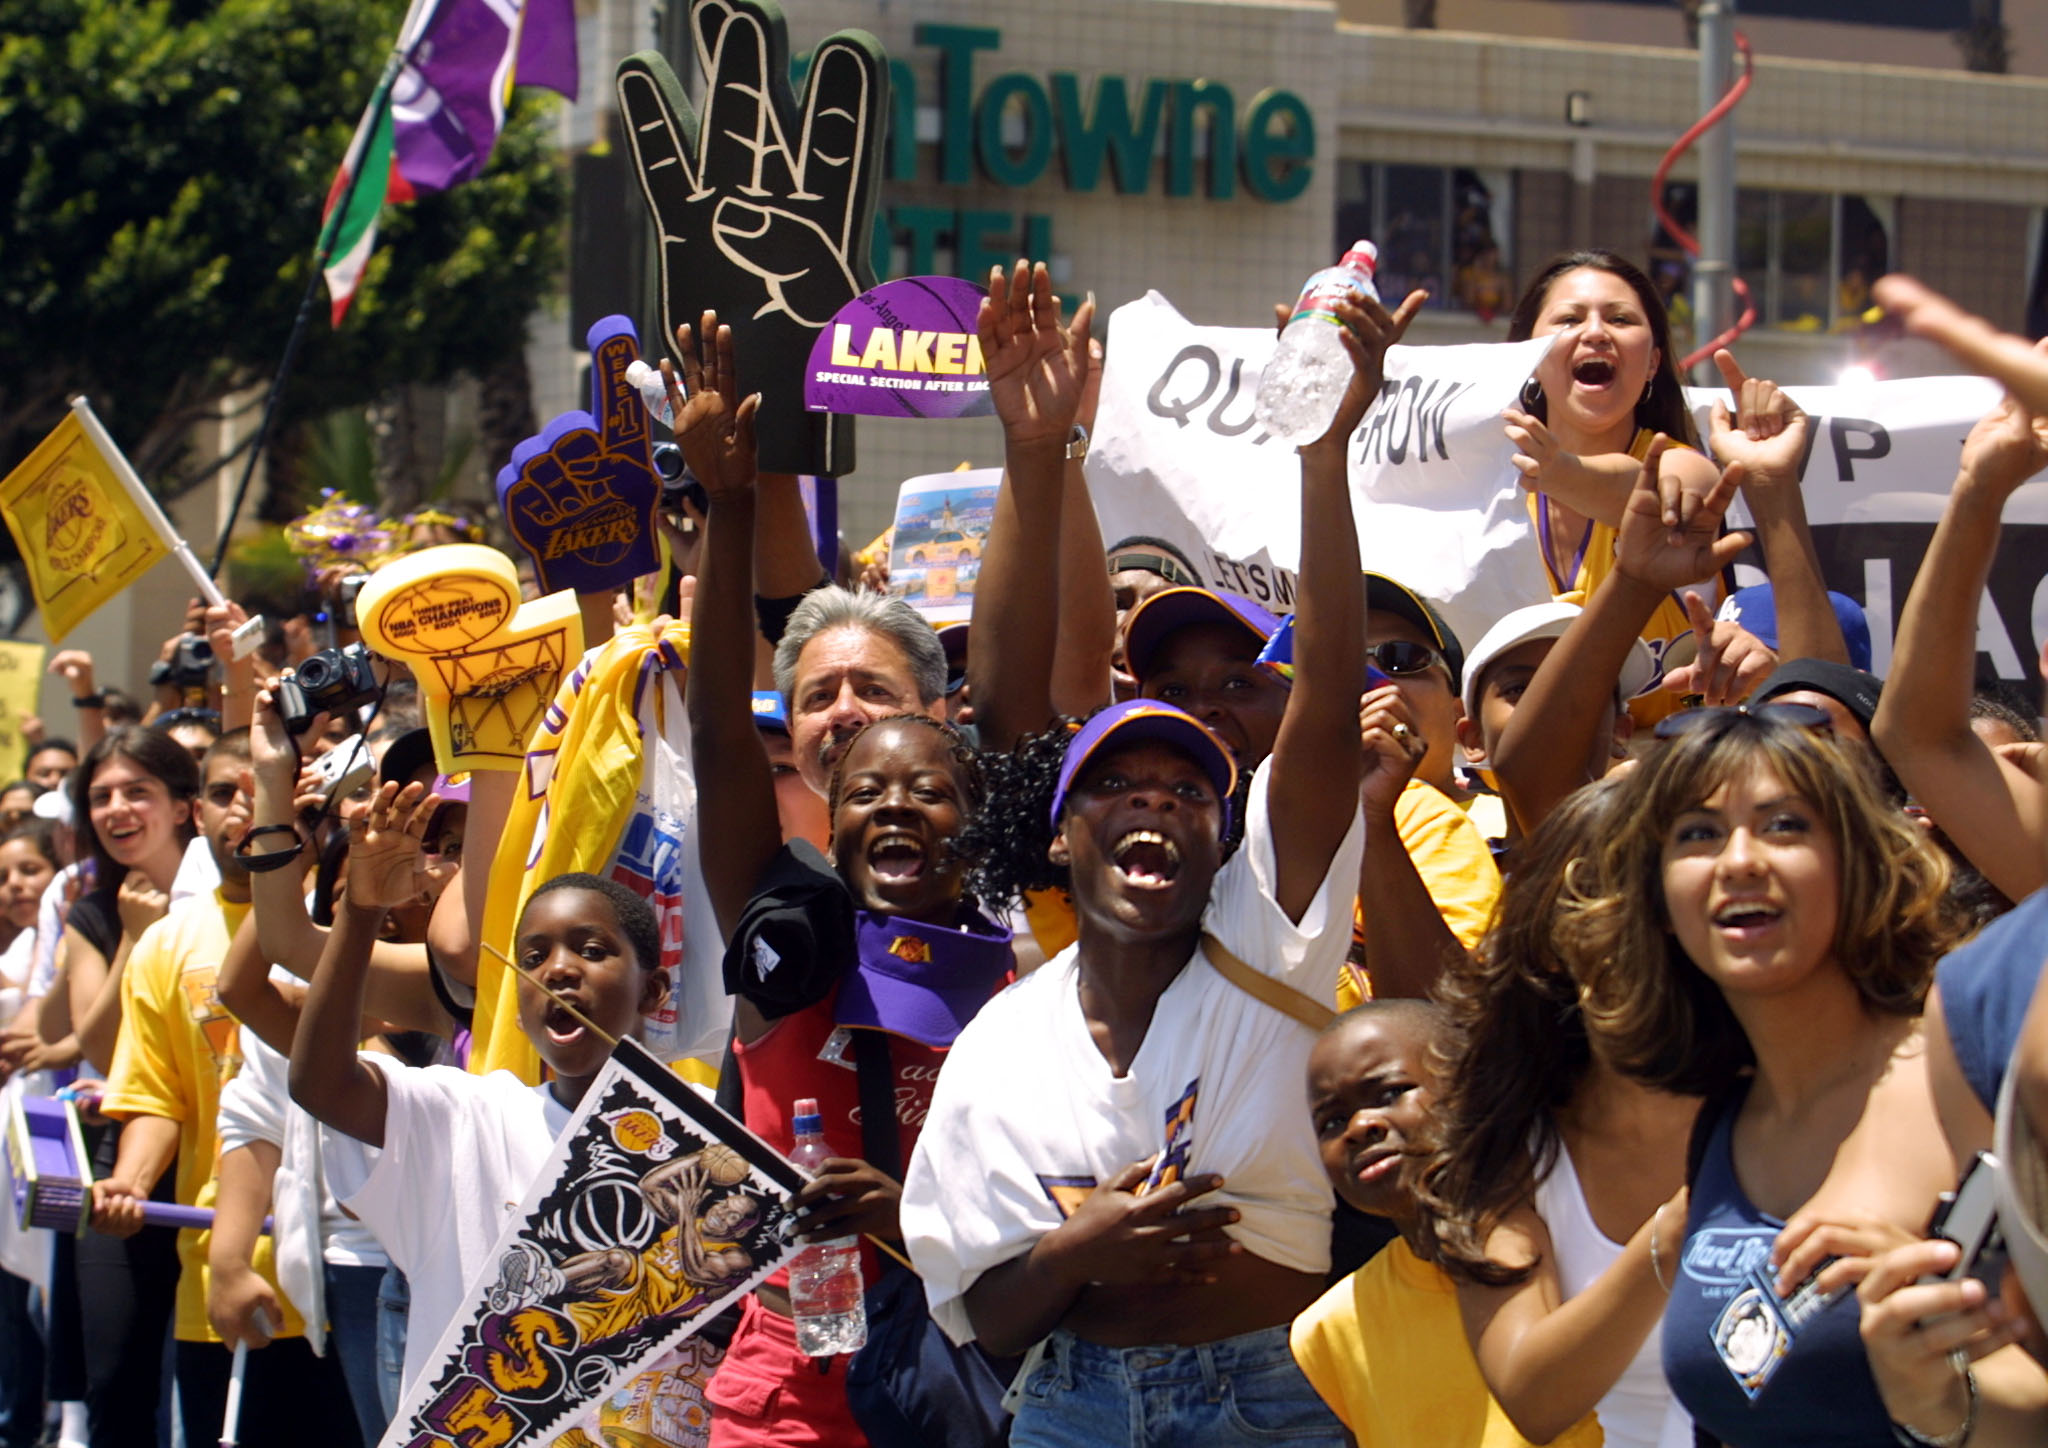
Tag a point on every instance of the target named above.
point(846, 660)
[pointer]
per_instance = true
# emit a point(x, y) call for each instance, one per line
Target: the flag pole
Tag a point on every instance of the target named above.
point(408, 36)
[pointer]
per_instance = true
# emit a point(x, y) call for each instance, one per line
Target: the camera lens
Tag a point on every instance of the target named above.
point(200, 650)
point(316, 673)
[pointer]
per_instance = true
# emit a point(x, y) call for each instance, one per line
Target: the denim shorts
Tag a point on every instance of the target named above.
point(1240, 1391)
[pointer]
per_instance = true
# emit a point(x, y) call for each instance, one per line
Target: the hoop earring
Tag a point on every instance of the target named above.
point(1532, 393)
point(1649, 387)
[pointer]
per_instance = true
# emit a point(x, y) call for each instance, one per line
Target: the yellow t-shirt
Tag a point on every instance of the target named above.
point(1667, 626)
point(178, 1046)
point(1456, 866)
point(1387, 1351)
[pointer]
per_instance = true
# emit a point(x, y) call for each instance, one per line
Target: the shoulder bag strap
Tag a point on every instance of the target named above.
point(881, 1142)
point(1281, 996)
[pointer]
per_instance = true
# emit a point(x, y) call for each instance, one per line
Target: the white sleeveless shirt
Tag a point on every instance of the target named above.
point(1638, 1412)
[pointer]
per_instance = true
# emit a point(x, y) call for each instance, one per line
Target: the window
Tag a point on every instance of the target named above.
point(1436, 228)
point(1809, 257)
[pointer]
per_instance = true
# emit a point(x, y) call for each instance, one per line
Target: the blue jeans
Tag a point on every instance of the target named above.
point(1229, 1394)
point(352, 1322)
point(394, 1304)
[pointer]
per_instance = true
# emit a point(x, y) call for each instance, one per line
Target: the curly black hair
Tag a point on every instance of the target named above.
point(1006, 842)
point(964, 755)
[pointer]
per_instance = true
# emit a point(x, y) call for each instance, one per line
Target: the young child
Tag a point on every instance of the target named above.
point(440, 1157)
point(1385, 1346)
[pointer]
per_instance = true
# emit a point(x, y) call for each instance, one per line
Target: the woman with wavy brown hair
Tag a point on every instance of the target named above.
point(1764, 932)
point(1552, 1165)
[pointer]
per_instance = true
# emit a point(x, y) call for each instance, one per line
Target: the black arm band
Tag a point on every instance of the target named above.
point(274, 859)
point(771, 615)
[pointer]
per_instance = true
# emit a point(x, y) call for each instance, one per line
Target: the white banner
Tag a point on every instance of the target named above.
point(1880, 459)
point(1176, 455)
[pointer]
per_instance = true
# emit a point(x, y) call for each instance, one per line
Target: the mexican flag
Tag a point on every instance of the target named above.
point(436, 114)
point(354, 230)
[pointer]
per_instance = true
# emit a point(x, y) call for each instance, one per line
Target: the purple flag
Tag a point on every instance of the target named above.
point(449, 103)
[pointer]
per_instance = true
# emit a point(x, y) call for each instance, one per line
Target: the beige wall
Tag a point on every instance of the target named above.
point(1646, 25)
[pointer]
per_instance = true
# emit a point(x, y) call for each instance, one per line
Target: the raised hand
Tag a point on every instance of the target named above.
point(2017, 363)
point(1393, 749)
point(2009, 444)
point(1368, 330)
point(1537, 449)
point(1037, 368)
point(74, 667)
point(386, 868)
point(1766, 434)
point(714, 426)
point(1652, 550)
point(139, 904)
point(1728, 660)
point(764, 211)
point(581, 495)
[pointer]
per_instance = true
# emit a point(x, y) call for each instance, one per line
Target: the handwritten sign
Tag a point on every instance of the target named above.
point(580, 496)
point(487, 665)
point(764, 210)
point(905, 349)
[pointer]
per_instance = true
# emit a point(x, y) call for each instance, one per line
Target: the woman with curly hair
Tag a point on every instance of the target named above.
point(1545, 1188)
point(1763, 935)
point(869, 957)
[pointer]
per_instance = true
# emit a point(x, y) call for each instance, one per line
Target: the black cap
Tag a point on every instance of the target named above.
point(1386, 594)
point(1855, 690)
point(406, 756)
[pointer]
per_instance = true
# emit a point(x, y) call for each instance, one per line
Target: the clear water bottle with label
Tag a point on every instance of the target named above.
point(824, 1279)
point(653, 391)
point(1310, 369)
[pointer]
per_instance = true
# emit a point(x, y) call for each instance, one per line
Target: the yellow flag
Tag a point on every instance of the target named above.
point(21, 679)
point(575, 796)
point(82, 535)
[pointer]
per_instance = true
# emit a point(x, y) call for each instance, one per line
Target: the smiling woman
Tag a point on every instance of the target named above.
point(1764, 932)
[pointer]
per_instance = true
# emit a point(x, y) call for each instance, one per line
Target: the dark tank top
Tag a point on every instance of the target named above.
point(1809, 1384)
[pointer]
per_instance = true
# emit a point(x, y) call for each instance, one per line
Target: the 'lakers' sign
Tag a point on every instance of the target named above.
point(487, 665)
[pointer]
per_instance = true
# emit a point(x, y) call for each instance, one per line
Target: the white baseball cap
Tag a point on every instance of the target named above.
point(1546, 621)
point(2022, 1194)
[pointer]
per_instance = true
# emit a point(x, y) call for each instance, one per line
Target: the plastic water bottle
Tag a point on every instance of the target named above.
point(824, 1279)
point(1310, 369)
point(653, 391)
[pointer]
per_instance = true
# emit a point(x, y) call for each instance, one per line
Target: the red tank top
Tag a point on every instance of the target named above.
point(800, 1055)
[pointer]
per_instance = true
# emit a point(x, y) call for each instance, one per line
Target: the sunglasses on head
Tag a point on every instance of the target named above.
point(1798, 716)
point(1398, 657)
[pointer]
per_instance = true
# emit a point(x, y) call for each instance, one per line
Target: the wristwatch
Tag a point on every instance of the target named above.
point(1077, 443)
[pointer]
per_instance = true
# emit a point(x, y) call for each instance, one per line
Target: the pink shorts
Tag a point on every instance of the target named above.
point(766, 1394)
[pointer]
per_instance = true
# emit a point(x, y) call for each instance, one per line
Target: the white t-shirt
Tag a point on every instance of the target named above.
point(1638, 1411)
point(198, 872)
point(459, 1154)
point(1027, 1117)
point(50, 929)
point(309, 1225)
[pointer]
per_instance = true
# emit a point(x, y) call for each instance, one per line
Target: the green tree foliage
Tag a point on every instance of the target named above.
point(166, 165)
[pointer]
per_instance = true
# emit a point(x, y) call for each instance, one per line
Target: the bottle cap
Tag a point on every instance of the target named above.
point(806, 1106)
point(1363, 254)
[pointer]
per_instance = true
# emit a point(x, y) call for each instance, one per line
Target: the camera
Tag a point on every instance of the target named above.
point(677, 481)
point(189, 666)
point(345, 601)
point(327, 683)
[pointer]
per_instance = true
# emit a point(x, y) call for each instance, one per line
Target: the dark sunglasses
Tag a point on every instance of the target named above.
point(172, 718)
point(1398, 657)
point(1798, 716)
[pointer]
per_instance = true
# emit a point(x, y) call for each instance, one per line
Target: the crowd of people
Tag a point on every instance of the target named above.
point(1320, 1029)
